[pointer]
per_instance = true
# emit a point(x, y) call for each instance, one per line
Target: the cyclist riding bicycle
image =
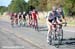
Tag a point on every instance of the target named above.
point(30, 18)
point(34, 18)
point(16, 18)
point(61, 14)
point(12, 18)
point(24, 18)
point(53, 16)
point(20, 17)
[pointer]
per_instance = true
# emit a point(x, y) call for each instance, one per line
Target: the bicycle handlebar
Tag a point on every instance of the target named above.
point(60, 23)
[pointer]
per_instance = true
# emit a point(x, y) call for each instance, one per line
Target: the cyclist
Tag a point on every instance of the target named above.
point(12, 18)
point(30, 17)
point(50, 19)
point(61, 14)
point(24, 18)
point(34, 18)
point(20, 17)
point(16, 18)
point(53, 16)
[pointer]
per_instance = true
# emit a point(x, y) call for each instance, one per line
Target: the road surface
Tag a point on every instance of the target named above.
point(27, 38)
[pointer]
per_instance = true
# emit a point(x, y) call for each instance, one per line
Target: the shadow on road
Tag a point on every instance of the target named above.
point(70, 41)
point(43, 28)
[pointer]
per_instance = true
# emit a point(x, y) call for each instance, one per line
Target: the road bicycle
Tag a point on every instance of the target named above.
point(56, 35)
point(35, 25)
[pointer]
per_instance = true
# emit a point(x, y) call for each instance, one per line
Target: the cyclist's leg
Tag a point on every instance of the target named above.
point(33, 23)
point(60, 31)
point(49, 30)
point(16, 21)
point(30, 21)
point(20, 22)
point(55, 29)
point(59, 21)
point(12, 22)
point(36, 24)
point(24, 21)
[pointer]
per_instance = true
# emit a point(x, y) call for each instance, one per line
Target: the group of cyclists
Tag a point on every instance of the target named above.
point(17, 17)
point(53, 16)
point(20, 18)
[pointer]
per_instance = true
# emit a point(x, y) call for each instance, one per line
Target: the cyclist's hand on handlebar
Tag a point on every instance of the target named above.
point(65, 23)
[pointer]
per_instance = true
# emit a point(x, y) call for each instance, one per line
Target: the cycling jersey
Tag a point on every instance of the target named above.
point(24, 16)
point(15, 16)
point(19, 16)
point(60, 12)
point(52, 15)
point(34, 16)
point(12, 15)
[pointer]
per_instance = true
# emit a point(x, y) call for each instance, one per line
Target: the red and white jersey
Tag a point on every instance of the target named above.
point(34, 15)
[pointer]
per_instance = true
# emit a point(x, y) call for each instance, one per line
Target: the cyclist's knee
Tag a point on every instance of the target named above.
point(49, 29)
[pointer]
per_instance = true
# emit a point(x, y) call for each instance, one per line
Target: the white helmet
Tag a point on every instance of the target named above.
point(23, 12)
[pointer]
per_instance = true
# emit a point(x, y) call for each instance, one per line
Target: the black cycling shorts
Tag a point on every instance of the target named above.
point(52, 20)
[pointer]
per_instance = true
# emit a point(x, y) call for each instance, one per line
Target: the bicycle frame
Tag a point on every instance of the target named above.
point(56, 34)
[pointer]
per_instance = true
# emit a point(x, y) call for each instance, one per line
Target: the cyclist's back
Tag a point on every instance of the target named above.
point(15, 15)
point(12, 16)
point(34, 14)
point(60, 12)
point(19, 15)
point(24, 15)
point(51, 15)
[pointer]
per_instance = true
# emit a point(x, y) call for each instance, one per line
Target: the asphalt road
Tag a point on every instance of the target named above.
point(27, 38)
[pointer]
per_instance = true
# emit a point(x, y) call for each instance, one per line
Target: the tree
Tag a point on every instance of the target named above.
point(17, 6)
point(34, 3)
point(69, 6)
point(3, 9)
point(43, 5)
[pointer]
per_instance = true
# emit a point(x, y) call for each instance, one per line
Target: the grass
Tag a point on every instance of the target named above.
point(71, 21)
